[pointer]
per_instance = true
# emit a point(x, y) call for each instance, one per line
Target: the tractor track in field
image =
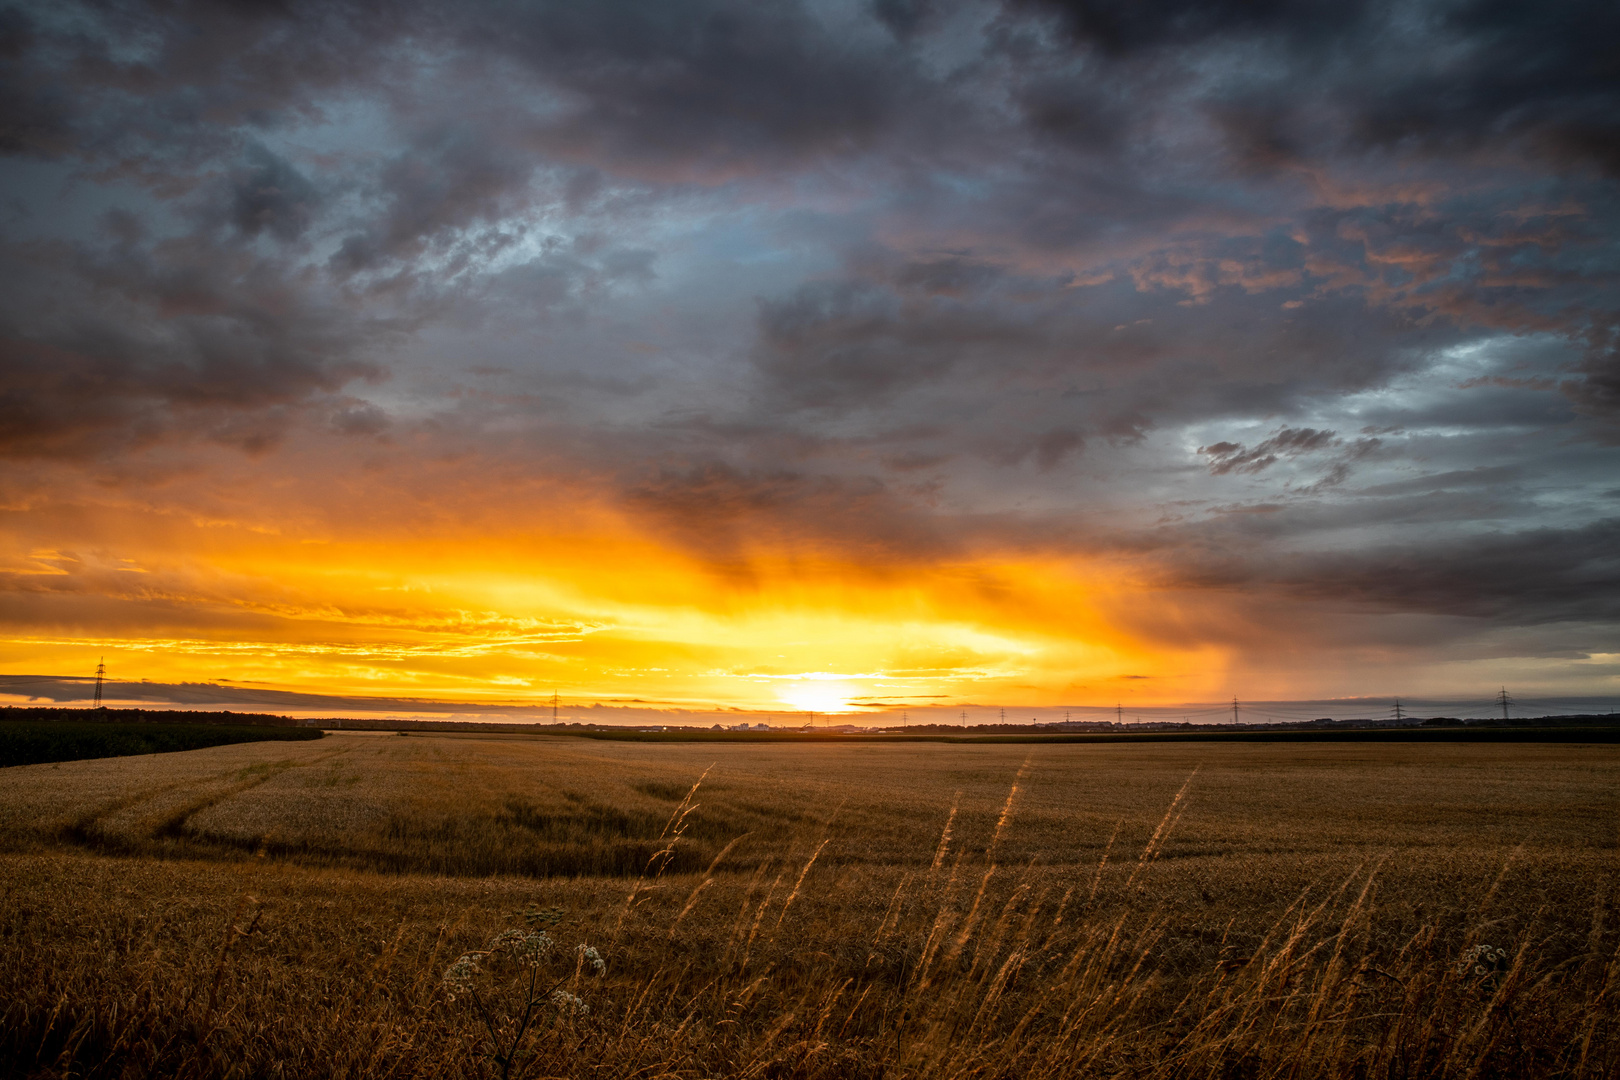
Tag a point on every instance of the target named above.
point(86, 832)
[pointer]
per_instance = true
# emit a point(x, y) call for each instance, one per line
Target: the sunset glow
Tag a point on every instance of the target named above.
point(598, 616)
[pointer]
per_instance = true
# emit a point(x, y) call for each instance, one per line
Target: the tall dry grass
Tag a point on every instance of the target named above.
point(948, 945)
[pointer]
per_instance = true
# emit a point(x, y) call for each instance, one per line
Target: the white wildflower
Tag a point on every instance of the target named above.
point(569, 1004)
point(458, 977)
point(504, 939)
point(1483, 960)
point(523, 946)
point(533, 948)
point(592, 959)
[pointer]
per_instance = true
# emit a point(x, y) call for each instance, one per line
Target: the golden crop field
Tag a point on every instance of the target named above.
point(847, 910)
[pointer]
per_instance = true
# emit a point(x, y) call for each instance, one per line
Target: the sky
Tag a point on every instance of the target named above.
point(842, 357)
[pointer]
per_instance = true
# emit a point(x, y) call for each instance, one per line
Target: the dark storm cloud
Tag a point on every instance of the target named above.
point(725, 512)
point(448, 180)
point(702, 87)
point(132, 334)
point(853, 344)
point(171, 96)
point(1543, 76)
point(1545, 72)
point(1520, 577)
point(1114, 359)
point(34, 112)
point(165, 340)
point(1119, 27)
point(270, 195)
point(1597, 391)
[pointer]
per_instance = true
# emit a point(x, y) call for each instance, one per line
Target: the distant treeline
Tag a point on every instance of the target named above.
point(143, 716)
point(29, 742)
point(1480, 734)
point(1589, 728)
point(1560, 729)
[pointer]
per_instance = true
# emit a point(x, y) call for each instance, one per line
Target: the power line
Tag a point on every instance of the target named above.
point(101, 673)
point(1235, 719)
point(1504, 701)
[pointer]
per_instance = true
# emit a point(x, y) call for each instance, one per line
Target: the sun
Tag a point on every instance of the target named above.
point(817, 695)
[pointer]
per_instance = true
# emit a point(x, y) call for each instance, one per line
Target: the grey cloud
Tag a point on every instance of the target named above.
point(724, 512)
point(1075, 113)
point(160, 341)
point(1522, 577)
point(1597, 392)
point(1515, 576)
point(1227, 457)
point(709, 85)
point(903, 17)
point(271, 196)
point(35, 110)
point(1052, 447)
point(149, 91)
point(1482, 477)
point(1544, 72)
point(1541, 75)
point(850, 344)
point(964, 332)
point(1119, 27)
point(449, 179)
point(360, 418)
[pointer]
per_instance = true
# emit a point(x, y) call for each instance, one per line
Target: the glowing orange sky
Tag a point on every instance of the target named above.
point(437, 582)
point(596, 612)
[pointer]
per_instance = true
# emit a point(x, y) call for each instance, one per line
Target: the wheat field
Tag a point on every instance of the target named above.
point(847, 910)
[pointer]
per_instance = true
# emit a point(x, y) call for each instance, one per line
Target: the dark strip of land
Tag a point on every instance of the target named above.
point(1593, 734)
point(57, 713)
point(26, 742)
point(1549, 729)
point(1546, 729)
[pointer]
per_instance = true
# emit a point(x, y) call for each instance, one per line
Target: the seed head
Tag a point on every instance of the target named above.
point(1483, 960)
point(458, 977)
point(569, 1004)
point(527, 947)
